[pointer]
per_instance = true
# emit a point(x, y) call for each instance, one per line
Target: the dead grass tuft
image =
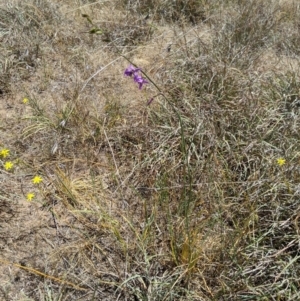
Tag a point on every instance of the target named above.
point(191, 11)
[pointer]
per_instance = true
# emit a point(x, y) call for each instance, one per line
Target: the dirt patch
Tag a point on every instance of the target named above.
point(269, 61)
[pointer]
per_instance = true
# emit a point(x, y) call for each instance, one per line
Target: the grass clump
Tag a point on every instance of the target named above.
point(192, 11)
point(179, 184)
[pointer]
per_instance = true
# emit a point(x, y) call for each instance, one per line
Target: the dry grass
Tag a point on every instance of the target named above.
point(183, 199)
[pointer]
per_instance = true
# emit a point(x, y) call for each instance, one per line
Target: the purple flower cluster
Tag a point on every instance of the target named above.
point(134, 72)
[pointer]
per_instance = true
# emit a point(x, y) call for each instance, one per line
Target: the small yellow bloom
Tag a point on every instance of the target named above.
point(4, 152)
point(25, 100)
point(37, 180)
point(29, 196)
point(280, 161)
point(8, 165)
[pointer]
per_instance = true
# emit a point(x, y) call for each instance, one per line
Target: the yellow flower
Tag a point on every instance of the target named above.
point(8, 165)
point(4, 152)
point(280, 161)
point(37, 180)
point(29, 196)
point(25, 100)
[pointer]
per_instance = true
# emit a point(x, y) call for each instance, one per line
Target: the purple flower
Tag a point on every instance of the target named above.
point(140, 80)
point(131, 71)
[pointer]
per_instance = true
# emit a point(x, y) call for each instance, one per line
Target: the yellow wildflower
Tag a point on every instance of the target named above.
point(4, 152)
point(29, 196)
point(25, 100)
point(280, 161)
point(8, 165)
point(37, 180)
